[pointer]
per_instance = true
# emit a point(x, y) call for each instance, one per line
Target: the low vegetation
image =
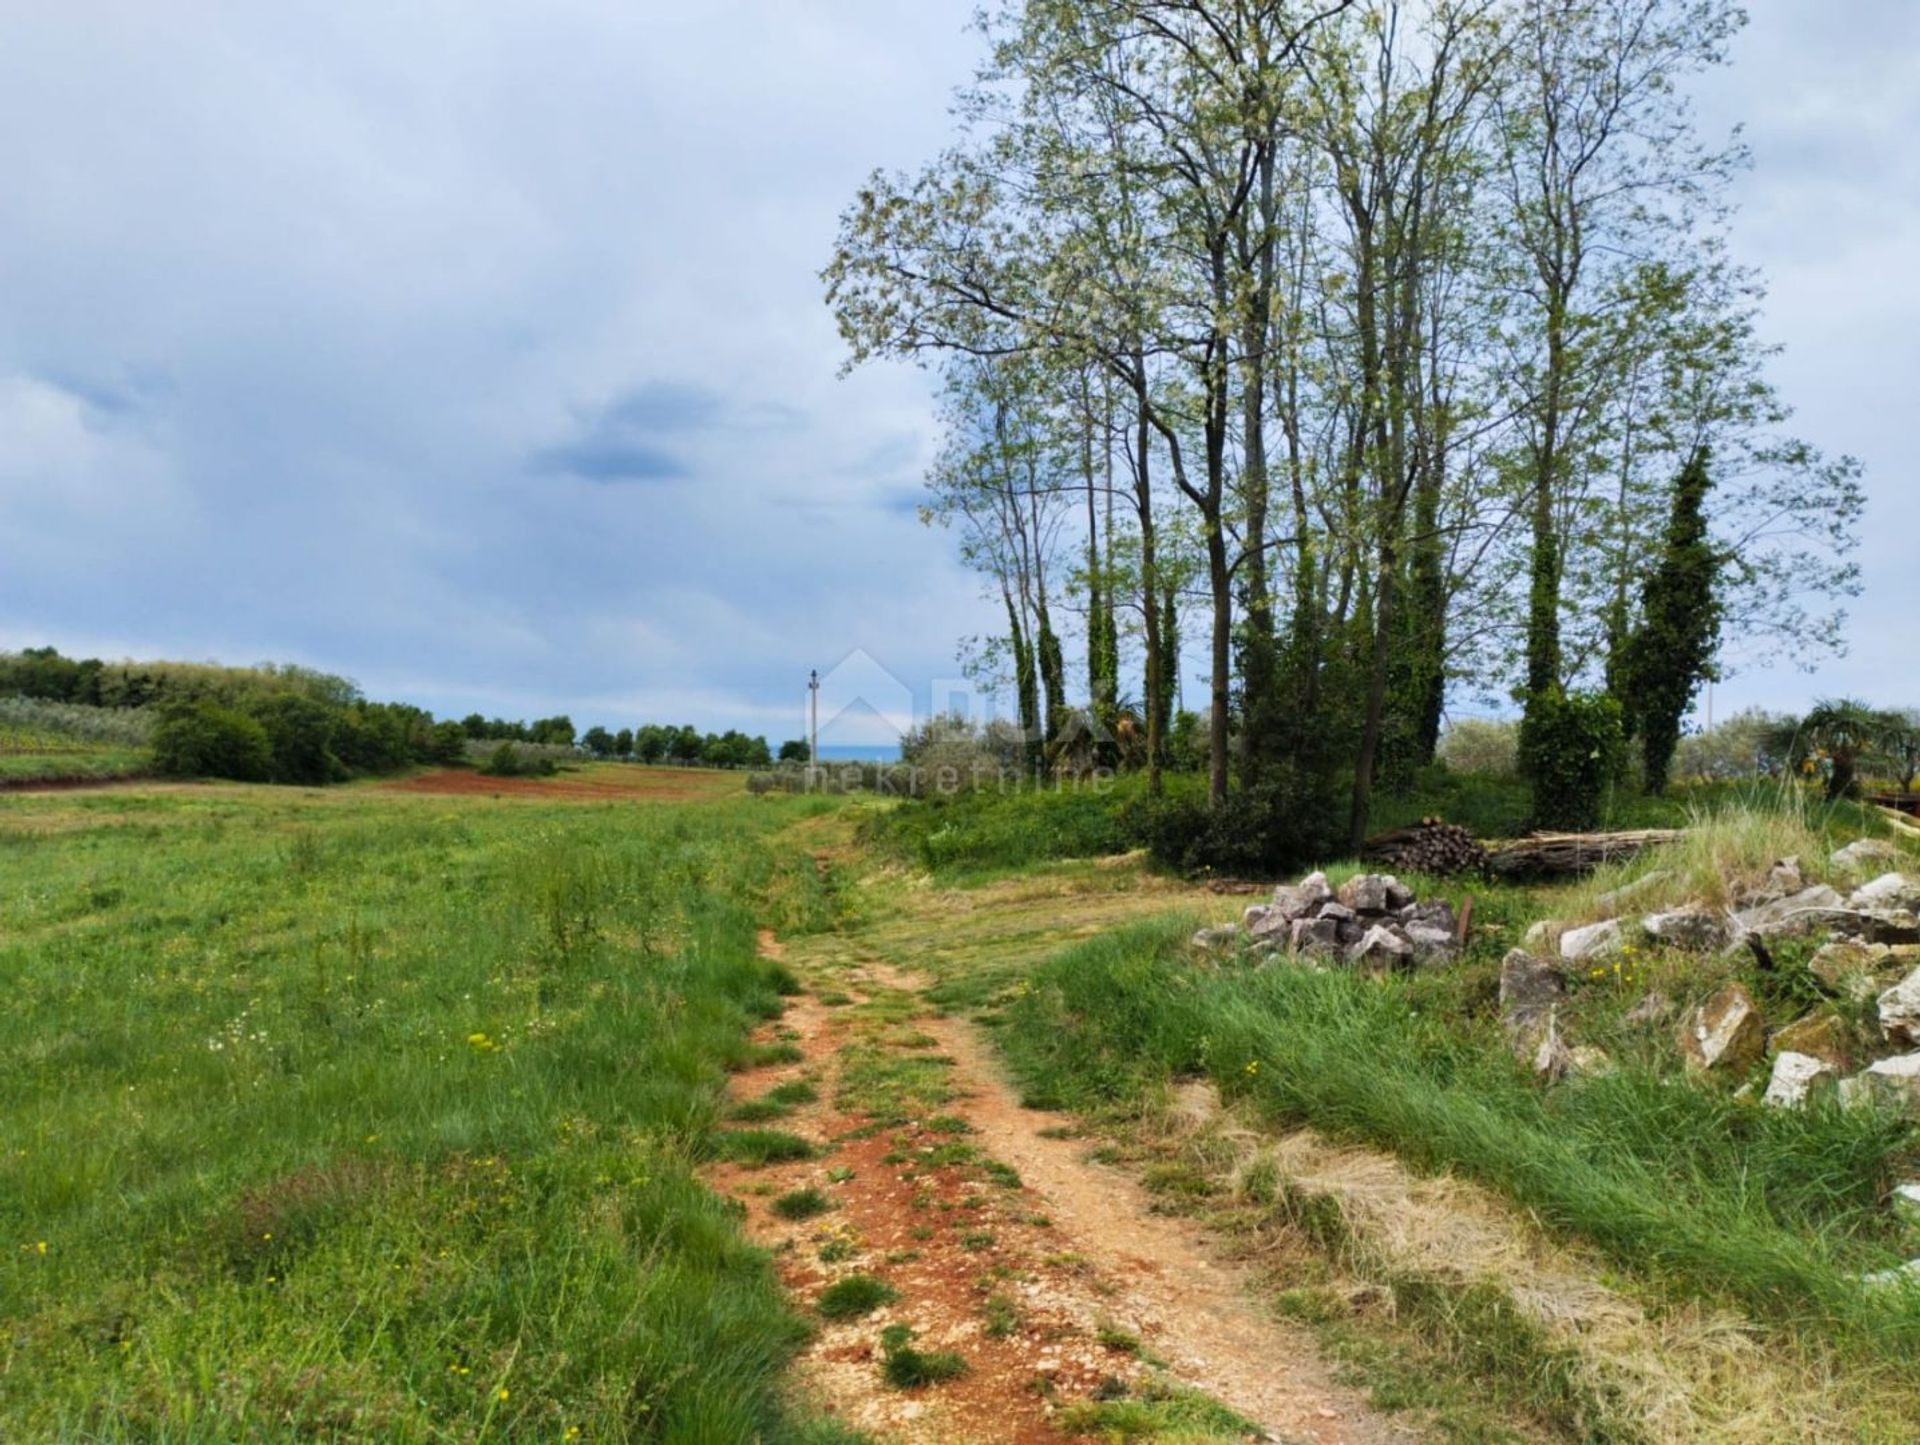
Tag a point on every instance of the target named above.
point(1702, 1192)
point(338, 1116)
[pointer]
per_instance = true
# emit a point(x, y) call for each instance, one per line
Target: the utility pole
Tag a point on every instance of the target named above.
point(813, 729)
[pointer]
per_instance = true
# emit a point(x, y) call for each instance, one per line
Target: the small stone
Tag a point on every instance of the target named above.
point(1796, 1078)
point(1906, 1202)
point(1297, 900)
point(1381, 947)
point(1821, 1036)
point(1726, 1032)
point(1266, 921)
point(1530, 982)
point(1907, 1274)
point(1551, 1059)
point(1846, 968)
point(1315, 935)
point(1891, 1083)
point(1211, 940)
point(1862, 854)
point(1338, 912)
point(1375, 893)
point(1798, 913)
point(1430, 945)
point(1698, 930)
point(1900, 1011)
point(1786, 876)
point(1435, 913)
point(1587, 1062)
point(1596, 940)
point(1888, 893)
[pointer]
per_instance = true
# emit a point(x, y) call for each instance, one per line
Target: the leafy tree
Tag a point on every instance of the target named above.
point(623, 743)
point(300, 731)
point(794, 750)
point(1671, 653)
point(686, 745)
point(449, 743)
point(205, 740)
point(651, 742)
point(598, 741)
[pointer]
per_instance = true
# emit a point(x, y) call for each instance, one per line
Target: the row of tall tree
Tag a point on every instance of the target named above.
point(1392, 348)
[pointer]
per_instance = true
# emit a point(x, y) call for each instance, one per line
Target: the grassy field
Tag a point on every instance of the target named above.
point(50, 741)
point(366, 1114)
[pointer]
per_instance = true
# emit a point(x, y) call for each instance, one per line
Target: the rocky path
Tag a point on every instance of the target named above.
point(1069, 1309)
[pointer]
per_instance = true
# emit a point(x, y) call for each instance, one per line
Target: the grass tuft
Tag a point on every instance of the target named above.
point(906, 1368)
point(854, 1296)
point(797, 1204)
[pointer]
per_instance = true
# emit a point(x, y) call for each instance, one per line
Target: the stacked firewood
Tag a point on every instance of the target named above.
point(1430, 846)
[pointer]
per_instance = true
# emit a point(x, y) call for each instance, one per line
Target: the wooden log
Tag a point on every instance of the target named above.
point(1567, 855)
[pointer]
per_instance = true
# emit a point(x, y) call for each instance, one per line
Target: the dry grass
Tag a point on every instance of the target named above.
point(1681, 1373)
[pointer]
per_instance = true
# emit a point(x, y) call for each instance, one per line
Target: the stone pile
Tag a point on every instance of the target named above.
point(1371, 921)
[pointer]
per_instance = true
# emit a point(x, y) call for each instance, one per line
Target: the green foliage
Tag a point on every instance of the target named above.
point(205, 740)
point(1291, 818)
point(1671, 652)
point(1832, 740)
point(517, 760)
point(1008, 827)
point(1572, 749)
point(300, 734)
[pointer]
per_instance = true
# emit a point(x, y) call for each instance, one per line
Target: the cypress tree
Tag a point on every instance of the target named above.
point(1671, 652)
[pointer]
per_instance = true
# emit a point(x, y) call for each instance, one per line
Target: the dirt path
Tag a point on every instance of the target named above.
point(1076, 1310)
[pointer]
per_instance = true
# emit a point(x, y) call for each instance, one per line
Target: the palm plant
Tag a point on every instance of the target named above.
point(1836, 732)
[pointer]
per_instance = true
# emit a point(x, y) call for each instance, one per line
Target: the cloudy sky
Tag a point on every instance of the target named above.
point(476, 350)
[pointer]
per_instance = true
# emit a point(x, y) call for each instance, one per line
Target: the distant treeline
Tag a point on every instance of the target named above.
point(649, 743)
point(278, 722)
point(273, 723)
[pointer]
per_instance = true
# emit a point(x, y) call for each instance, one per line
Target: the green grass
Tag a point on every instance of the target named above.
point(797, 1204)
point(758, 1148)
point(1773, 1209)
point(372, 1116)
point(988, 829)
point(1157, 1411)
point(906, 1368)
point(854, 1296)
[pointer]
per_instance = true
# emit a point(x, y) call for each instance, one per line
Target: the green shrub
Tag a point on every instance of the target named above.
point(1572, 750)
point(206, 740)
point(1292, 819)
